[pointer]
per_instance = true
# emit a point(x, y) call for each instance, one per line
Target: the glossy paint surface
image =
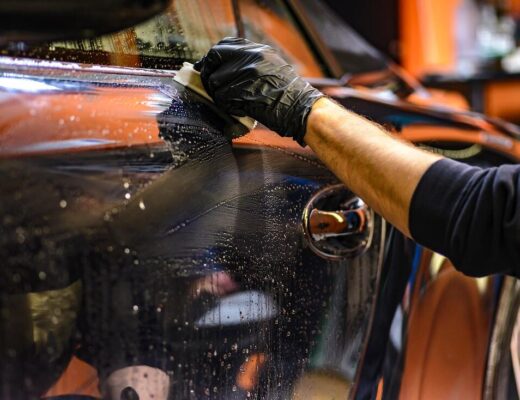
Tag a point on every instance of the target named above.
point(142, 248)
point(164, 246)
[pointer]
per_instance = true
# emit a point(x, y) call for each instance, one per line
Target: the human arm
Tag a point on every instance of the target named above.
point(471, 215)
point(380, 169)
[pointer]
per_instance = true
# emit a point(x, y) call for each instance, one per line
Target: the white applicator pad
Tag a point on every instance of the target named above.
point(189, 77)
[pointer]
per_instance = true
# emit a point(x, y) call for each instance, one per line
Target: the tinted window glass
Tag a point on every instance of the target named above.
point(353, 53)
point(269, 21)
point(185, 32)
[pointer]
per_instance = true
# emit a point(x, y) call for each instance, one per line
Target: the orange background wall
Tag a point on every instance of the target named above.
point(427, 35)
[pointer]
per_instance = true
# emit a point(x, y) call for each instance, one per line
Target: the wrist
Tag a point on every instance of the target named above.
point(301, 109)
point(320, 110)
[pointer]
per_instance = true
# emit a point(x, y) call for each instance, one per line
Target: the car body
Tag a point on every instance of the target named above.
point(136, 234)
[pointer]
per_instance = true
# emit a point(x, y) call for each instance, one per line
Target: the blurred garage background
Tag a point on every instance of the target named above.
point(469, 46)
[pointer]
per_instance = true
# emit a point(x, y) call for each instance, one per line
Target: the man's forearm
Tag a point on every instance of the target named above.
point(448, 206)
point(380, 169)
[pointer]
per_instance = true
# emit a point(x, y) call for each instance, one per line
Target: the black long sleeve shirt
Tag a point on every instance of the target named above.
point(471, 215)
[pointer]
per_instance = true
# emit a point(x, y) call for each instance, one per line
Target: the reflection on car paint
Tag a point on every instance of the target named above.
point(60, 145)
point(244, 307)
point(501, 375)
point(25, 85)
point(167, 234)
point(438, 331)
point(95, 116)
point(192, 264)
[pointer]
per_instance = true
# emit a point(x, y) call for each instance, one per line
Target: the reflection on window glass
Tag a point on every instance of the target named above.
point(353, 53)
point(269, 21)
point(185, 32)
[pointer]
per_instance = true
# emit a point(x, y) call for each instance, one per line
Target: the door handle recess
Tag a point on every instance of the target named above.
point(337, 224)
point(325, 224)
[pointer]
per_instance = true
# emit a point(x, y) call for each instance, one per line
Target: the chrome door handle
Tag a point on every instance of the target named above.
point(337, 224)
point(325, 224)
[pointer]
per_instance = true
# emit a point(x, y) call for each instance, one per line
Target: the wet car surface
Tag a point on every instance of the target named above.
point(183, 254)
point(138, 239)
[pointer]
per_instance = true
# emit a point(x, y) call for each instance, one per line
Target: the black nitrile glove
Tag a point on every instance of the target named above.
point(250, 79)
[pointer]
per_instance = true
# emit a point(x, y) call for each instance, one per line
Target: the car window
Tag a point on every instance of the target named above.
point(269, 21)
point(184, 32)
point(352, 52)
point(354, 59)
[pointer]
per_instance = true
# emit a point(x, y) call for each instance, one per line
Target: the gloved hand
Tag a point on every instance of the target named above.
point(250, 79)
